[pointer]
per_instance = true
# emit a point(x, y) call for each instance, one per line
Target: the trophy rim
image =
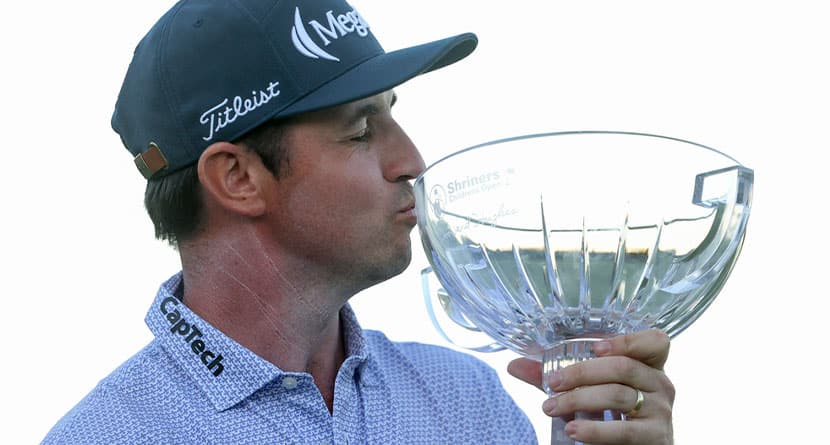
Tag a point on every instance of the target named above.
point(421, 177)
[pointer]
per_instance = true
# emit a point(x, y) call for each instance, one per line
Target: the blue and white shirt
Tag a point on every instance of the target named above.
point(193, 384)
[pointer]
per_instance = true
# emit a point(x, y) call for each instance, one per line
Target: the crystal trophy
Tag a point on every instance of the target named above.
point(545, 243)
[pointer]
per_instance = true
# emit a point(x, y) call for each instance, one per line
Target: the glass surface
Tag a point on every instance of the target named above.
point(548, 240)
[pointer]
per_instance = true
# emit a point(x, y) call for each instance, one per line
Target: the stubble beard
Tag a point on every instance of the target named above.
point(367, 272)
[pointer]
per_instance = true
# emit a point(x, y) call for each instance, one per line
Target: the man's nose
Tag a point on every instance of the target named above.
point(405, 162)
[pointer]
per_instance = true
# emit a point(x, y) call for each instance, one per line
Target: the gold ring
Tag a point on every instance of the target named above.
point(637, 406)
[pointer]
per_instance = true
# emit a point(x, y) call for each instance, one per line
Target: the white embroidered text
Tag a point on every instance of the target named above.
point(227, 111)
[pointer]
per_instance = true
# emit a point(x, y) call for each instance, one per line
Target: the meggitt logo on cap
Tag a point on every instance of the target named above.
point(337, 26)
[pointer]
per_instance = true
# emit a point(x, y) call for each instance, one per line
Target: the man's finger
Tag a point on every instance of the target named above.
point(650, 347)
point(606, 370)
point(527, 370)
point(592, 399)
point(618, 432)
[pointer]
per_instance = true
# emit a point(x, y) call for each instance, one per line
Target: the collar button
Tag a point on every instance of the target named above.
point(289, 383)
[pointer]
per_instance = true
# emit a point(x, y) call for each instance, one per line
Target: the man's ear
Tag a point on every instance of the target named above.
point(233, 177)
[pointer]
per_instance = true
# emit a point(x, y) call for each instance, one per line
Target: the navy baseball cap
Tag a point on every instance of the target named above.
point(213, 70)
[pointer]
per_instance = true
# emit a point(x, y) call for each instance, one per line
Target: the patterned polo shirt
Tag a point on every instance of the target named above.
point(194, 385)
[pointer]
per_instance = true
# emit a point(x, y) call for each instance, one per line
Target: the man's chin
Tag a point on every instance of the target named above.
point(393, 267)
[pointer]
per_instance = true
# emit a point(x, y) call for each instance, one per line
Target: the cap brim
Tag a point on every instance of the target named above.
point(384, 72)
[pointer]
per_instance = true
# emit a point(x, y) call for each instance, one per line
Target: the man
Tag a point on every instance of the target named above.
point(275, 167)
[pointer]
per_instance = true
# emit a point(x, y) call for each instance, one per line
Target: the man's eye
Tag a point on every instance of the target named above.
point(363, 136)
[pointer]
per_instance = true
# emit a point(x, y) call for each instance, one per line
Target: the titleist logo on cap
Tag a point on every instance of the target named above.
point(226, 112)
point(336, 27)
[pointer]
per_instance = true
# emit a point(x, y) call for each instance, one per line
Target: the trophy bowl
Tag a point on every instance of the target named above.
point(547, 243)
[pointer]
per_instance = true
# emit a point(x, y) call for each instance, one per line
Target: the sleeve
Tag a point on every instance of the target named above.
point(502, 421)
point(100, 418)
point(471, 394)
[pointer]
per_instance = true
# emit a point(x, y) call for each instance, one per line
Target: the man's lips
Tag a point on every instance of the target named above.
point(408, 209)
point(408, 204)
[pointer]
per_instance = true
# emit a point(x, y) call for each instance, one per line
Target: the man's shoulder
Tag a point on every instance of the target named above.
point(450, 381)
point(116, 410)
point(428, 358)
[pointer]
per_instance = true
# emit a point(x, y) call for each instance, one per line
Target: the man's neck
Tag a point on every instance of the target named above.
point(295, 327)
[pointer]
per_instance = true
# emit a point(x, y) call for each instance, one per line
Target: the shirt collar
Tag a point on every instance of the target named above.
point(224, 370)
point(358, 358)
point(353, 338)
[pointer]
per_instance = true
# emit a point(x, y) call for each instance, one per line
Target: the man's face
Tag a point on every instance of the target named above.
point(345, 204)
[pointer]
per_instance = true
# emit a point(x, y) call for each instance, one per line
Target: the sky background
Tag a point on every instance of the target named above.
point(79, 265)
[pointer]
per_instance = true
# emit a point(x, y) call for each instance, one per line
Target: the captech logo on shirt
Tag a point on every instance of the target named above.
point(336, 27)
point(191, 335)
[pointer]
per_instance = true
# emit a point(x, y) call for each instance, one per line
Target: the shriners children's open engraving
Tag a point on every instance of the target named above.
point(460, 191)
point(191, 335)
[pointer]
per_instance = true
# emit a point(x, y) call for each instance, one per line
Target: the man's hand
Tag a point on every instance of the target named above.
point(622, 366)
